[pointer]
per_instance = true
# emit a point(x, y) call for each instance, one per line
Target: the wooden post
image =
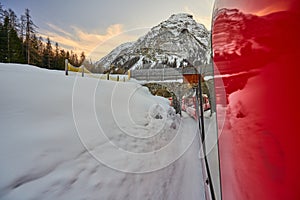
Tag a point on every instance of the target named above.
point(129, 74)
point(82, 73)
point(66, 67)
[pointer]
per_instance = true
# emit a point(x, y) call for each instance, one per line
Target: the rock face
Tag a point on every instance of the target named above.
point(176, 42)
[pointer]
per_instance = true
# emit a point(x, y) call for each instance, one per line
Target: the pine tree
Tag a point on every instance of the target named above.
point(1, 14)
point(82, 58)
point(22, 34)
point(19, 43)
point(56, 56)
point(41, 47)
point(4, 44)
point(13, 20)
point(68, 55)
point(48, 55)
point(35, 51)
point(29, 31)
point(15, 47)
point(61, 59)
point(11, 45)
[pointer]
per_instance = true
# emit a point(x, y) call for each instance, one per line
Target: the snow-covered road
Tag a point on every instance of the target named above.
point(78, 138)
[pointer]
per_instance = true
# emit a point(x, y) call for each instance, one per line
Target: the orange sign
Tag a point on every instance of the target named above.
point(191, 78)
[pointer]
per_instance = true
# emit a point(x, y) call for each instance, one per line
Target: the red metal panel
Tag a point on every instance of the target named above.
point(256, 49)
point(191, 78)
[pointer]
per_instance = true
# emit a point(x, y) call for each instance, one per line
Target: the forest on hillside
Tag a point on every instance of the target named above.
point(21, 43)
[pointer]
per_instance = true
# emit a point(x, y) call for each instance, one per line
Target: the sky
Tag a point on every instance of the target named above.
point(98, 26)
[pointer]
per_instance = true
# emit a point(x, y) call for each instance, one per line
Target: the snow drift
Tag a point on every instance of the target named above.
point(75, 138)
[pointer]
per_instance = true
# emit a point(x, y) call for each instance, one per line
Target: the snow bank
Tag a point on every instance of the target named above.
point(74, 138)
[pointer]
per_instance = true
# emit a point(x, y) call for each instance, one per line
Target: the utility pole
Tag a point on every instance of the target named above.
point(201, 121)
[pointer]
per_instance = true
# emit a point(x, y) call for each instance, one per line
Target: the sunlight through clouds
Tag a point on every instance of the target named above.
point(98, 26)
point(79, 40)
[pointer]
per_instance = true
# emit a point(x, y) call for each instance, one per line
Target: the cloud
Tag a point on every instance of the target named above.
point(58, 29)
point(274, 7)
point(79, 40)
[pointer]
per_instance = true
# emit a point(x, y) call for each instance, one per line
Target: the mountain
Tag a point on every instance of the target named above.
point(108, 59)
point(176, 42)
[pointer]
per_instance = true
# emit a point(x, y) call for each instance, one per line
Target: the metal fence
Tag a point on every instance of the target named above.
point(168, 74)
point(156, 74)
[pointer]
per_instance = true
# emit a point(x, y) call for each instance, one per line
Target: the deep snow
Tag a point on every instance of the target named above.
point(83, 138)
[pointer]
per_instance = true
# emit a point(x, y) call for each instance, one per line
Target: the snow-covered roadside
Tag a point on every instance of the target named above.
point(45, 114)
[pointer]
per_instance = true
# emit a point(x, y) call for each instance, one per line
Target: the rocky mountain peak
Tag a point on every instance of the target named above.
point(175, 42)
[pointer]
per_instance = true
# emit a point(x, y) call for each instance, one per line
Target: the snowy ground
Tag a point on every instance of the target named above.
point(80, 138)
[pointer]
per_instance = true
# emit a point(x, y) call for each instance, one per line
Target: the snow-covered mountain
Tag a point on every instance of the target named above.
point(108, 59)
point(176, 42)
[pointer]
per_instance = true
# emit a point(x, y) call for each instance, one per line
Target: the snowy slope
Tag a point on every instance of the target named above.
point(75, 138)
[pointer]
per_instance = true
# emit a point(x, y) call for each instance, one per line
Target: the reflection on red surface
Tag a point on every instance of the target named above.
point(258, 7)
point(256, 50)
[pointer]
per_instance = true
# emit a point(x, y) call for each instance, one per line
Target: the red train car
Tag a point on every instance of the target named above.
point(255, 51)
point(188, 105)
